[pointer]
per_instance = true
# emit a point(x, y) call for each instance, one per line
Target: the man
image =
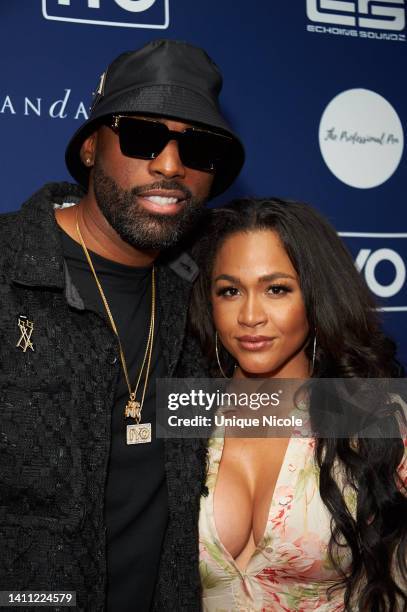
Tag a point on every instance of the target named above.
point(90, 317)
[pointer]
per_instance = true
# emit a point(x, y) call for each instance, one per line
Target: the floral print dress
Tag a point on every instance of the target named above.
point(290, 569)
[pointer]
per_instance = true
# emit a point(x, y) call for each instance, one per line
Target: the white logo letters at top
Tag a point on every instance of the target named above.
point(91, 3)
point(117, 13)
point(316, 13)
point(374, 14)
point(394, 18)
point(135, 6)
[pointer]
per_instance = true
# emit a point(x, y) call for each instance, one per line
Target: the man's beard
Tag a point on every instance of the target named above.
point(137, 226)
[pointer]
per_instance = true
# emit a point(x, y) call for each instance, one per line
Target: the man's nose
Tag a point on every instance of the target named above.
point(168, 163)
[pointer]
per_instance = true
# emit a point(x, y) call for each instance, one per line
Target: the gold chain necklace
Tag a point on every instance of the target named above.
point(140, 432)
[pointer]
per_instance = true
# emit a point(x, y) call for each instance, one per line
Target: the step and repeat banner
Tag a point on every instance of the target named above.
point(316, 89)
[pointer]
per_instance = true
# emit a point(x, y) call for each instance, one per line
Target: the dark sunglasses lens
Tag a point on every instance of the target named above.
point(143, 139)
point(203, 150)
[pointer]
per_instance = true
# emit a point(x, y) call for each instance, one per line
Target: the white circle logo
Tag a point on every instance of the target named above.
point(135, 6)
point(361, 138)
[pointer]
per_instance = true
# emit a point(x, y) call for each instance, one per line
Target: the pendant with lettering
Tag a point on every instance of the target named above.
point(139, 434)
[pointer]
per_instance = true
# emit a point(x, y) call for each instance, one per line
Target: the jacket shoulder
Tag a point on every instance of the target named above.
point(10, 224)
point(8, 220)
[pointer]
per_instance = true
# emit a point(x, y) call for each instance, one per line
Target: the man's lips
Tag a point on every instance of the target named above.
point(254, 343)
point(162, 201)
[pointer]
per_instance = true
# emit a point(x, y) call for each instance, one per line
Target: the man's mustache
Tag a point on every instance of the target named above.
point(167, 185)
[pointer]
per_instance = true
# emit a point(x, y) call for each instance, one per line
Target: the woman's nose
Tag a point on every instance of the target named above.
point(252, 312)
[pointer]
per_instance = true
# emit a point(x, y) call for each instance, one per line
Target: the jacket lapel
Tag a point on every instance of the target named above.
point(173, 301)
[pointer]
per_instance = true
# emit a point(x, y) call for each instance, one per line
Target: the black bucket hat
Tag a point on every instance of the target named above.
point(165, 78)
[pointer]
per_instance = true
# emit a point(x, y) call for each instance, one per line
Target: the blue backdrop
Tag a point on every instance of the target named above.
point(316, 89)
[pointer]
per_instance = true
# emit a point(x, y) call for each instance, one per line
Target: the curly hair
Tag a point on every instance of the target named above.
point(351, 344)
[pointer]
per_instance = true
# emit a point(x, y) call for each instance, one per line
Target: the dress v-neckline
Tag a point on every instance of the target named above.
point(263, 539)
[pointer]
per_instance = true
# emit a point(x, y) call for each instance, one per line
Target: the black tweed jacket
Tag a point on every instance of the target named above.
point(55, 407)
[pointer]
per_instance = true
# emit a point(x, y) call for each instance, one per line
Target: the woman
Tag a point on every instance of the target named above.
point(291, 523)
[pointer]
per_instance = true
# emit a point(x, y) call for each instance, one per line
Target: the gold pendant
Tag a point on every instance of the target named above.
point(132, 409)
point(26, 329)
point(139, 434)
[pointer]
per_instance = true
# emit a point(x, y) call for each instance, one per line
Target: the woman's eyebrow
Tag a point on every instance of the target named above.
point(262, 279)
point(275, 275)
point(227, 277)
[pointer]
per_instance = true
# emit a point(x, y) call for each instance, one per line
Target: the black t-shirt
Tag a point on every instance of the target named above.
point(136, 506)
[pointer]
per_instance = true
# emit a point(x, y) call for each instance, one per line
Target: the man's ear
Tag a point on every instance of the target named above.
point(88, 149)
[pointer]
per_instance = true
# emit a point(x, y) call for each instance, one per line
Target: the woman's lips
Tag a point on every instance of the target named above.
point(254, 343)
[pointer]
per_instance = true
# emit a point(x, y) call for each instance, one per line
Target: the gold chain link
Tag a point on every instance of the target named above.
point(149, 347)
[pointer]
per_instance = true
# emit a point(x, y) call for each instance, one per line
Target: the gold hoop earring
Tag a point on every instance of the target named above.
point(217, 356)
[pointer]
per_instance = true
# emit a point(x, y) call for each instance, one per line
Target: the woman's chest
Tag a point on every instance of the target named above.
point(247, 475)
point(288, 521)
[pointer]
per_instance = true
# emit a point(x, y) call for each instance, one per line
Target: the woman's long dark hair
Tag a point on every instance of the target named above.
point(350, 343)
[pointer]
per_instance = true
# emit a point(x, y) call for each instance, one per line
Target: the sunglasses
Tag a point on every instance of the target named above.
point(145, 139)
